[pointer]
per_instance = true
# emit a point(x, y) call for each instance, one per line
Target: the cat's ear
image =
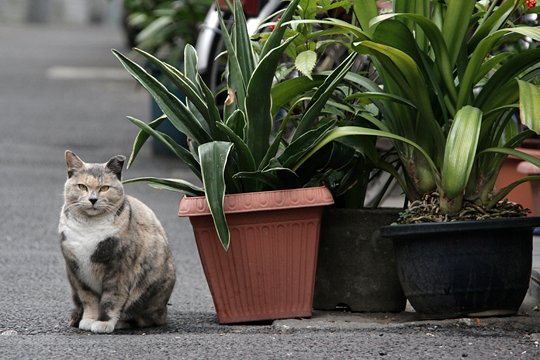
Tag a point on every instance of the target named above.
point(115, 164)
point(73, 163)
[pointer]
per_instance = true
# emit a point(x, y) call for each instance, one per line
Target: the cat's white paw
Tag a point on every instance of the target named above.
point(103, 327)
point(86, 324)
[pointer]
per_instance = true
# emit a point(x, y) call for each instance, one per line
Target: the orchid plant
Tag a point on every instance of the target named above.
point(450, 94)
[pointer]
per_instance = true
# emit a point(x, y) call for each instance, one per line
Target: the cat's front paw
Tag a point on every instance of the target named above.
point(103, 327)
point(86, 324)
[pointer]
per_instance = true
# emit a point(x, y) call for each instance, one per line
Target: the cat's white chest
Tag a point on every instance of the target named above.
point(82, 240)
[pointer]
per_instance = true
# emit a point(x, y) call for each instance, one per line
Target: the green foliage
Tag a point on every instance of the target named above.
point(163, 27)
point(451, 85)
point(234, 148)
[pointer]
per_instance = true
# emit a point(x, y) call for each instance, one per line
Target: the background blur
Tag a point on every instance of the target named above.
point(61, 11)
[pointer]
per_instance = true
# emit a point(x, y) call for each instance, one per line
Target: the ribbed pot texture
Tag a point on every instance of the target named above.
point(269, 269)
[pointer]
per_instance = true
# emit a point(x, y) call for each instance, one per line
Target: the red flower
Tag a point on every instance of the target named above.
point(530, 4)
point(272, 27)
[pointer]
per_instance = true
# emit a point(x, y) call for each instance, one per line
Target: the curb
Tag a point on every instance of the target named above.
point(337, 321)
point(528, 318)
point(532, 299)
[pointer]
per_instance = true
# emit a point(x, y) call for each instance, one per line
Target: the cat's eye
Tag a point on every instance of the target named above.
point(82, 187)
point(104, 188)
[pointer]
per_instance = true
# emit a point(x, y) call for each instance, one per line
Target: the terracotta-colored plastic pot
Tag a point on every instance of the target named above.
point(509, 173)
point(526, 168)
point(269, 269)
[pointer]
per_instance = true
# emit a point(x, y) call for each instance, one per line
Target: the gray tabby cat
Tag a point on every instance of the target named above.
point(118, 261)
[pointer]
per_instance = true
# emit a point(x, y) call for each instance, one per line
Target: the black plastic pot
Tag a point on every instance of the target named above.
point(472, 268)
point(356, 268)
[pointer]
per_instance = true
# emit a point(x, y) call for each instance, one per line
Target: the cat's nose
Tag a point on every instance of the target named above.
point(93, 201)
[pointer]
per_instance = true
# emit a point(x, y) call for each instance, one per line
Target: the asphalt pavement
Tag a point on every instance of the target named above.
point(61, 88)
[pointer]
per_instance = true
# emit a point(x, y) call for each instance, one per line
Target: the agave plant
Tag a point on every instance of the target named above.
point(233, 146)
point(451, 94)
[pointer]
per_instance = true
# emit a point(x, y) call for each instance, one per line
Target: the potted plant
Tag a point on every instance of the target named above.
point(258, 252)
point(448, 95)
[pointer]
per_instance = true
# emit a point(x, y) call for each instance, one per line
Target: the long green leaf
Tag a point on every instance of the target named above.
point(176, 149)
point(278, 33)
point(491, 22)
point(304, 144)
point(346, 27)
point(269, 177)
point(213, 156)
point(150, 31)
point(512, 152)
point(281, 92)
point(242, 42)
point(460, 151)
point(213, 112)
point(236, 82)
point(169, 184)
point(365, 10)
point(480, 53)
point(180, 80)
point(343, 131)
point(380, 96)
point(455, 25)
point(491, 64)
point(529, 105)
point(191, 71)
point(407, 75)
point(141, 138)
point(258, 102)
point(436, 39)
point(177, 113)
point(247, 163)
point(272, 150)
point(322, 95)
point(509, 70)
point(502, 193)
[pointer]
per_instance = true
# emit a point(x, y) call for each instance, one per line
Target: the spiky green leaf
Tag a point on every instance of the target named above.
point(169, 184)
point(213, 156)
point(172, 145)
point(176, 111)
point(141, 138)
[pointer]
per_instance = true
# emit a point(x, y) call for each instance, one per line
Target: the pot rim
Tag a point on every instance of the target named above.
point(259, 201)
point(405, 230)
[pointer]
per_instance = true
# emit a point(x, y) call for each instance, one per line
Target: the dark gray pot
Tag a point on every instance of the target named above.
point(465, 268)
point(356, 266)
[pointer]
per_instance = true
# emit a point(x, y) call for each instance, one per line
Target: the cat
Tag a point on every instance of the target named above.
point(118, 261)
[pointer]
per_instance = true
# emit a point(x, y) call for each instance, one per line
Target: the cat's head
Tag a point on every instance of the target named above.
point(93, 189)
